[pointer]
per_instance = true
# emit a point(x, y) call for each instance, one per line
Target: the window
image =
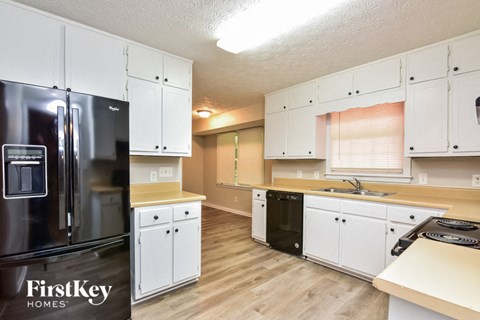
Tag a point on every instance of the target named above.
point(368, 141)
point(240, 157)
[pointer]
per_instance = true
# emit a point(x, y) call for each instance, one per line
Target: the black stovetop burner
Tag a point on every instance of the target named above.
point(457, 232)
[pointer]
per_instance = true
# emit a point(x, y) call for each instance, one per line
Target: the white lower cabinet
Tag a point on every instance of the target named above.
point(322, 234)
point(259, 215)
point(402, 219)
point(362, 244)
point(356, 236)
point(165, 247)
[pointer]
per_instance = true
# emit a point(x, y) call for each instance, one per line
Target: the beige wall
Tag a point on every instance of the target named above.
point(447, 172)
point(193, 168)
point(141, 166)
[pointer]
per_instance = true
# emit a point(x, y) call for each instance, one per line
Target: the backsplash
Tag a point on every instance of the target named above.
point(141, 166)
point(444, 172)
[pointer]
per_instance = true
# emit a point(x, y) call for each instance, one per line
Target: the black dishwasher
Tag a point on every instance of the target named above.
point(285, 221)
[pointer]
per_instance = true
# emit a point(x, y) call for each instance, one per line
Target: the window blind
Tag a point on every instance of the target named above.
point(226, 167)
point(250, 156)
point(368, 139)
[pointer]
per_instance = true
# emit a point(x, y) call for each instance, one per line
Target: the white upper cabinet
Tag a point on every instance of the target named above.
point(176, 121)
point(304, 133)
point(177, 72)
point(95, 63)
point(465, 55)
point(276, 102)
point(31, 49)
point(426, 118)
point(301, 96)
point(428, 64)
point(275, 135)
point(378, 76)
point(144, 63)
point(292, 130)
point(145, 114)
point(466, 113)
point(335, 87)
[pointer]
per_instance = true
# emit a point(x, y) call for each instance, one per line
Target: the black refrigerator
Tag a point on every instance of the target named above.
point(64, 208)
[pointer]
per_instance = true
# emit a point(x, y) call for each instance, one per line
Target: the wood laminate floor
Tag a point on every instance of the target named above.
point(242, 279)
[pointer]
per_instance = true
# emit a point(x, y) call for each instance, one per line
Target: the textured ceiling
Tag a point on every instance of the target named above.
point(357, 32)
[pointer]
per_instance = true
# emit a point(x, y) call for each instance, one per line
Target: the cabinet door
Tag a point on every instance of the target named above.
point(176, 121)
point(395, 231)
point(426, 118)
point(276, 102)
point(144, 63)
point(465, 53)
point(301, 96)
point(155, 258)
point(379, 76)
point(30, 47)
point(428, 64)
point(144, 97)
point(466, 113)
point(186, 250)
point(177, 72)
point(275, 135)
point(322, 234)
point(362, 244)
point(335, 87)
point(94, 63)
point(301, 132)
point(259, 220)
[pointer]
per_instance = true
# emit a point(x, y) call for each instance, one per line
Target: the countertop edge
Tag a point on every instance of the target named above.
point(160, 198)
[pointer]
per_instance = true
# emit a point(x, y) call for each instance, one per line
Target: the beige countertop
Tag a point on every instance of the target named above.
point(459, 203)
point(143, 195)
point(438, 276)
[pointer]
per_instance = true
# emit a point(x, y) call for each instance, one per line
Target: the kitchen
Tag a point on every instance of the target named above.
point(177, 165)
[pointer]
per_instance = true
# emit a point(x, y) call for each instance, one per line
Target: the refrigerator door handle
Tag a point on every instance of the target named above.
point(76, 166)
point(62, 181)
point(57, 256)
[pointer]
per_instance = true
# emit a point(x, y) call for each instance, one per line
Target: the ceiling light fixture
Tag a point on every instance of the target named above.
point(204, 113)
point(267, 19)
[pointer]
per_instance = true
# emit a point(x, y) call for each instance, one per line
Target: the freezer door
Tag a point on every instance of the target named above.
point(32, 138)
point(82, 282)
point(100, 167)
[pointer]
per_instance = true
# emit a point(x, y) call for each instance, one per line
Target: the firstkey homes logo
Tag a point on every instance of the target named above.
point(58, 294)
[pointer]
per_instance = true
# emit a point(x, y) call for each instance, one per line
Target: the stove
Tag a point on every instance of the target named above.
point(456, 232)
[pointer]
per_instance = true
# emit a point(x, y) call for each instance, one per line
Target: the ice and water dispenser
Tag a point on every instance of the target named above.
point(24, 171)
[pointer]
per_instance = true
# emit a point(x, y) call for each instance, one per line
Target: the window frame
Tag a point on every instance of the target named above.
point(236, 184)
point(404, 177)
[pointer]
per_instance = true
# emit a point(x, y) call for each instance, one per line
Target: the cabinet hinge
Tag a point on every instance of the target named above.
point(448, 84)
point(139, 240)
point(139, 286)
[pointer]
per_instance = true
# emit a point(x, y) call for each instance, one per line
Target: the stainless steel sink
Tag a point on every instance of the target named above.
point(335, 190)
point(371, 193)
point(353, 191)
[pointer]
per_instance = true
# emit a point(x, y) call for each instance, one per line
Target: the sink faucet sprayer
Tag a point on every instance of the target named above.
point(356, 183)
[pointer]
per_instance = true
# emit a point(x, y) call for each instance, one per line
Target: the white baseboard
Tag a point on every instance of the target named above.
point(242, 213)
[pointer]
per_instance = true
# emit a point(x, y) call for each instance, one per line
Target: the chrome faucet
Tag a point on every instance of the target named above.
point(356, 183)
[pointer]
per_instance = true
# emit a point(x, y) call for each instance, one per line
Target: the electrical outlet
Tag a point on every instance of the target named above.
point(299, 173)
point(153, 176)
point(476, 180)
point(316, 175)
point(422, 178)
point(165, 172)
point(235, 199)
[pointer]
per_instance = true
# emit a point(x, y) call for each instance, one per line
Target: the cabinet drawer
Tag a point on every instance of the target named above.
point(325, 203)
point(411, 215)
point(258, 194)
point(155, 216)
point(184, 212)
point(366, 209)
